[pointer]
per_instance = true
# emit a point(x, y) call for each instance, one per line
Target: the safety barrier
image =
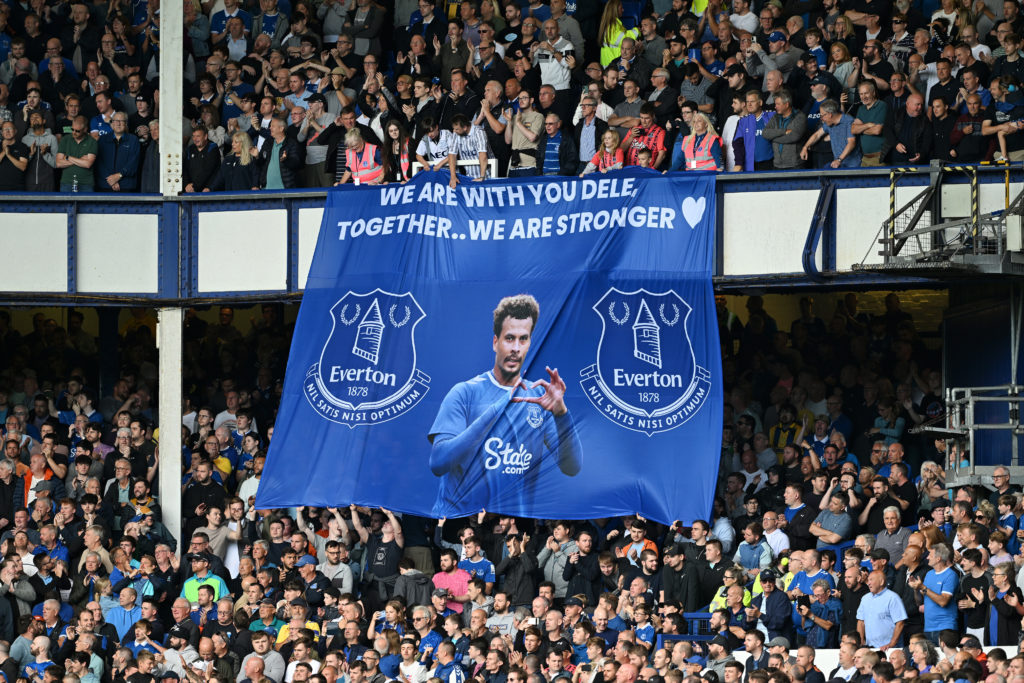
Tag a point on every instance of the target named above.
point(121, 249)
point(492, 166)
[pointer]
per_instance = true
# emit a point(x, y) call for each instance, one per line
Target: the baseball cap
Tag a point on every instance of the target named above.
point(676, 39)
point(177, 631)
point(197, 557)
point(298, 602)
point(779, 642)
point(776, 36)
point(439, 593)
point(573, 601)
point(268, 601)
point(170, 674)
point(809, 57)
point(971, 642)
point(768, 575)
point(734, 70)
point(880, 554)
point(317, 97)
point(304, 560)
point(720, 640)
point(695, 659)
point(672, 550)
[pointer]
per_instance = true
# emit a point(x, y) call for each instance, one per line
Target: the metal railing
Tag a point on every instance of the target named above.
point(492, 166)
point(917, 233)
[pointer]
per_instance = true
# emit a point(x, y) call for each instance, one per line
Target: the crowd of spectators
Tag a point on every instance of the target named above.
point(817, 453)
point(311, 93)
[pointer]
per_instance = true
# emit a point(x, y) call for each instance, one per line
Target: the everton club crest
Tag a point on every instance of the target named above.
point(646, 377)
point(367, 371)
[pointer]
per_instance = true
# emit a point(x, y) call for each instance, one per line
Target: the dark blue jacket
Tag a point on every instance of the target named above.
point(777, 614)
point(118, 156)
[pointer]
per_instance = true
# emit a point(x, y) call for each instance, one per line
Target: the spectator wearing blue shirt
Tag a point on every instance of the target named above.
point(119, 155)
point(771, 608)
point(428, 637)
point(754, 553)
point(53, 50)
point(822, 618)
point(803, 580)
point(143, 630)
point(643, 628)
point(838, 421)
point(881, 614)
point(476, 564)
point(557, 153)
point(838, 127)
point(49, 544)
point(124, 614)
point(1009, 523)
point(206, 606)
point(937, 589)
point(40, 648)
point(99, 125)
point(219, 20)
point(833, 525)
point(889, 424)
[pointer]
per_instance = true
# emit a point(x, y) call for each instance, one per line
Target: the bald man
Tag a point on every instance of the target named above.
point(881, 615)
point(627, 674)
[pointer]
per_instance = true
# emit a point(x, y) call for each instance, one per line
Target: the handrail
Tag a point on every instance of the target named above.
point(492, 166)
point(741, 181)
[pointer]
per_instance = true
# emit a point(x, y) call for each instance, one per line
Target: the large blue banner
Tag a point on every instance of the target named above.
point(541, 348)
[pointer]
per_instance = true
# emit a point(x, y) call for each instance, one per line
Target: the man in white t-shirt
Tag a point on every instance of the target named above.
point(431, 153)
point(742, 18)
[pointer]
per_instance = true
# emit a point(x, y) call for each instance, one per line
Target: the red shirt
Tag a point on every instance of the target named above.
point(652, 138)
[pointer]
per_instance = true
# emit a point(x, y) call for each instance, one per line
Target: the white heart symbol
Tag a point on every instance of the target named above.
point(693, 211)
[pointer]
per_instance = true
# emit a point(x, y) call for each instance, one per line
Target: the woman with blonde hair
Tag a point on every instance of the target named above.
point(238, 170)
point(612, 31)
point(846, 34)
point(841, 65)
point(702, 148)
point(932, 486)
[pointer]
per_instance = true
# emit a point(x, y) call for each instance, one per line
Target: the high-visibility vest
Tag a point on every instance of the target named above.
point(363, 168)
point(700, 159)
point(611, 48)
point(404, 167)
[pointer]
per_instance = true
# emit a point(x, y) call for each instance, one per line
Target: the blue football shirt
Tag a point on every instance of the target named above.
point(505, 446)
